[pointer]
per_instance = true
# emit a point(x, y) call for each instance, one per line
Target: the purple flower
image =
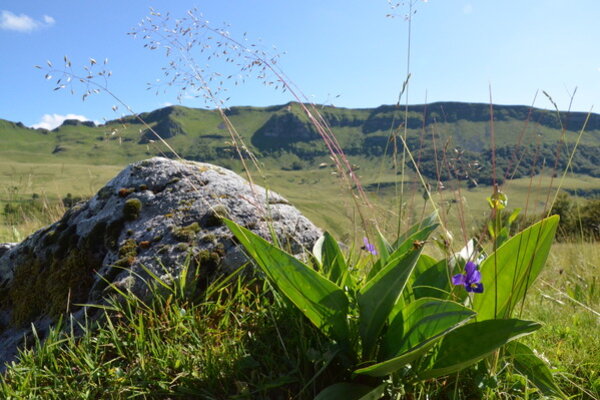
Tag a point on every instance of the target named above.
point(369, 247)
point(471, 279)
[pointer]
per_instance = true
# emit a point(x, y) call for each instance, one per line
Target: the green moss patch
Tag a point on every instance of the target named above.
point(50, 280)
point(215, 215)
point(186, 233)
point(50, 286)
point(132, 209)
point(127, 253)
point(105, 193)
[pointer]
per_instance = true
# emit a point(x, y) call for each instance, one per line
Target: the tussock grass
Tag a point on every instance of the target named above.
point(236, 340)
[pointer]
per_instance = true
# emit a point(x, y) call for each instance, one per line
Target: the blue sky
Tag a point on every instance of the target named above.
point(345, 53)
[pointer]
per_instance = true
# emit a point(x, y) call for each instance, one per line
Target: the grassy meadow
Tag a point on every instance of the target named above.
point(242, 338)
point(566, 298)
point(317, 192)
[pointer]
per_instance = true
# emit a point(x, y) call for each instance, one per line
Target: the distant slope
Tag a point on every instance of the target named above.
point(455, 135)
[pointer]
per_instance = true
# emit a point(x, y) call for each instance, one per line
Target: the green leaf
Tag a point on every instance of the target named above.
point(421, 321)
point(430, 220)
point(406, 242)
point(470, 343)
point(320, 300)
point(425, 262)
point(518, 263)
point(529, 365)
point(378, 297)
point(351, 391)
point(513, 216)
point(415, 330)
point(384, 247)
point(334, 267)
point(433, 282)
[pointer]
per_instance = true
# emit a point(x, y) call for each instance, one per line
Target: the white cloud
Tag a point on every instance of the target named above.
point(51, 121)
point(49, 20)
point(23, 23)
point(166, 104)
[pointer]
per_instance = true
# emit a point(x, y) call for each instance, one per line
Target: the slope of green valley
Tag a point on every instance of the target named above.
point(451, 142)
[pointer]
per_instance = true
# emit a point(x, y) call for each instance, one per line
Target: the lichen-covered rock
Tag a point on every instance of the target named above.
point(156, 213)
point(5, 247)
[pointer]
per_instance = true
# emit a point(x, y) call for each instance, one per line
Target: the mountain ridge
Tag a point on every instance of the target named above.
point(283, 136)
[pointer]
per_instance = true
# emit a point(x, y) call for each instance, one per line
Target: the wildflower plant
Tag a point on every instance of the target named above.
point(403, 318)
point(471, 279)
point(369, 246)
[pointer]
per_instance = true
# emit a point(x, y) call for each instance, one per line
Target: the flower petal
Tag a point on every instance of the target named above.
point(470, 267)
point(476, 288)
point(475, 277)
point(458, 279)
point(369, 247)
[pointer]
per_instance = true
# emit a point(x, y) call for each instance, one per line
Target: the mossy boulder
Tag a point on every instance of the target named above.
point(154, 215)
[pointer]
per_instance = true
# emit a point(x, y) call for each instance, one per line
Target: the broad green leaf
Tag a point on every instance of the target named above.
point(351, 391)
point(332, 261)
point(423, 264)
point(384, 247)
point(433, 282)
point(336, 263)
point(430, 220)
point(429, 276)
point(529, 365)
point(470, 343)
point(318, 249)
point(413, 241)
point(421, 321)
point(377, 298)
point(406, 242)
point(418, 327)
point(320, 300)
point(518, 262)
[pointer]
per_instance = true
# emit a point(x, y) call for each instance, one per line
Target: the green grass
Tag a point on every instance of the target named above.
point(238, 340)
point(233, 341)
point(567, 300)
point(223, 344)
point(315, 191)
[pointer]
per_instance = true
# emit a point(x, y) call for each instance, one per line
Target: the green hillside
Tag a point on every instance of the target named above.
point(450, 141)
point(272, 131)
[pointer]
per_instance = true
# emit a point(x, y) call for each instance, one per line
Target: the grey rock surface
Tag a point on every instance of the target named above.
point(155, 213)
point(5, 247)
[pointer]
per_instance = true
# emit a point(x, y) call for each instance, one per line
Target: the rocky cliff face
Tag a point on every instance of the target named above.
point(156, 213)
point(283, 128)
